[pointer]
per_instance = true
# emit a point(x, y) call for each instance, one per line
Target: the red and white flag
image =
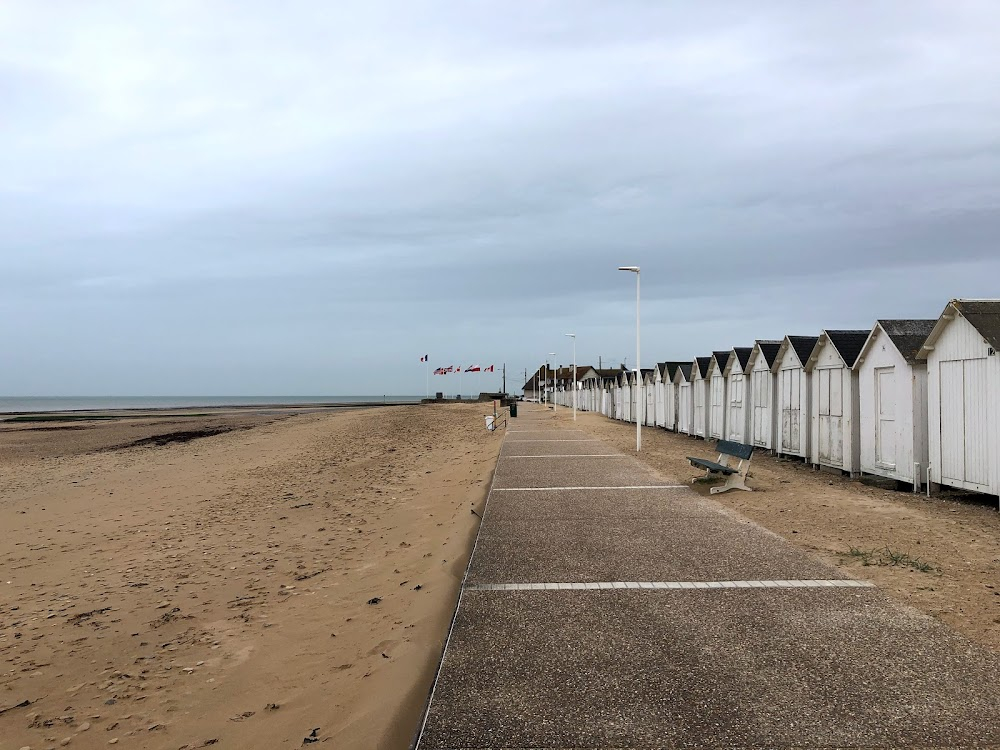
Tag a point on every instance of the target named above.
point(473, 368)
point(440, 371)
point(488, 369)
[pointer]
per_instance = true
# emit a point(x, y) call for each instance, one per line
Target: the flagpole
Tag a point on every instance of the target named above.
point(427, 377)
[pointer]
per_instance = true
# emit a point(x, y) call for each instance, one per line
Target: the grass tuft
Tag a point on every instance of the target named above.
point(889, 557)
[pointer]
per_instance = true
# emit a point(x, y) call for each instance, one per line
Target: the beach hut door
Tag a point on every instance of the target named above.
point(761, 406)
point(885, 426)
point(790, 410)
point(963, 421)
point(831, 416)
point(736, 408)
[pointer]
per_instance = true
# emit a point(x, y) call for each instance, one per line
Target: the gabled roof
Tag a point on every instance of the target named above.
point(743, 356)
point(983, 314)
point(702, 365)
point(609, 372)
point(668, 369)
point(721, 358)
point(801, 345)
point(906, 335)
point(769, 348)
point(847, 343)
point(684, 368)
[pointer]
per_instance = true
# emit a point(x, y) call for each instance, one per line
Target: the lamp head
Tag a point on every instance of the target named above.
point(633, 269)
point(571, 335)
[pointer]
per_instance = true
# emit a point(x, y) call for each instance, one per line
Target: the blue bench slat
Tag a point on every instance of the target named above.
point(711, 466)
point(737, 450)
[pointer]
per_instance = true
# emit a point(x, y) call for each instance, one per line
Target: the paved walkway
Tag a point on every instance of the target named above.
point(609, 607)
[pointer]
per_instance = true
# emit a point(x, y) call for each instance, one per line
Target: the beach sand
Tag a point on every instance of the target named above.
point(289, 579)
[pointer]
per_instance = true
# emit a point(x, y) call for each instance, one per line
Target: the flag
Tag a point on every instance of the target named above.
point(488, 369)
point(447, 370)
point(439, 371)
point(473, 368)
point(425, 358)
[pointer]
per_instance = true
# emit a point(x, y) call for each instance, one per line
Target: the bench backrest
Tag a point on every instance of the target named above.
point(738, 450)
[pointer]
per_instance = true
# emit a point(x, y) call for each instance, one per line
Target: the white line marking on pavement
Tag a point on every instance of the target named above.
point(576, 455)
point(543, 440)
point(673, 585)
point(560, 489)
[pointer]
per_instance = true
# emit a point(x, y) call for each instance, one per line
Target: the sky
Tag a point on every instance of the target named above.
point(303, 198)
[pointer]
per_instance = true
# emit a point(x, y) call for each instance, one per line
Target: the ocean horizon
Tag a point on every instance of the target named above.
point(21, 404)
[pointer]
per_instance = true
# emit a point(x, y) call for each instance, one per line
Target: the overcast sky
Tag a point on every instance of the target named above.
point(304, 197)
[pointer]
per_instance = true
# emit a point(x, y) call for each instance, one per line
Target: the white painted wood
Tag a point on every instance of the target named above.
point(717, 401)
point(670, 405)
point(649, 412)
point(685, 402)
point(794, 431)
point(892, 395)
point(963, 396)
point(835, 410)
point(660, 418)
point(763, 401)
point(700, 399)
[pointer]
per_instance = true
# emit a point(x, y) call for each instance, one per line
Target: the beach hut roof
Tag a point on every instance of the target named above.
point(847, 343)
point(702, 364)
point(906, 335)
point(769, 348)
point(743, 355)
point(983, 314)
point(721, 359)
point(669, 369)
point(803, 346)
point(684, 368)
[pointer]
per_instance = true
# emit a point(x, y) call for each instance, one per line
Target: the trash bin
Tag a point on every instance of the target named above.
point(489, 422)
point(513, 408)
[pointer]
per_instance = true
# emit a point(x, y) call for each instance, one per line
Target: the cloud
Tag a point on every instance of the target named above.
point(215, 187)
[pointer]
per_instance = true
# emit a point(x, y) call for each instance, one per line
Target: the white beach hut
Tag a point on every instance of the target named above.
point(763, 394)
point(650, 387)
point(660, 399)
point(963, 395)
point(834, 406)
point(717, 395)
point(793, 395)
point(699, 396)
point(892, 388)
point(685, 403)
point(625, 412)
point(737, 374)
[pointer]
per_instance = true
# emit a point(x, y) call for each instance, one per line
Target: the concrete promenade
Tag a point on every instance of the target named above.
point(607, 606)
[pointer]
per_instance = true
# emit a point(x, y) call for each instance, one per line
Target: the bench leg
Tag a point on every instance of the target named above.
point(733, 482)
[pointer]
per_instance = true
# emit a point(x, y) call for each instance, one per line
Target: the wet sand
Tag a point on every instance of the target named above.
point(243, 587)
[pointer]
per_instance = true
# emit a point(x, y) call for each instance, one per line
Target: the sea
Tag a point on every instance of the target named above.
point(17, 404)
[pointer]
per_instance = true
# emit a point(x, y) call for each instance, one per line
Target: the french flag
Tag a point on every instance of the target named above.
point(425, 357)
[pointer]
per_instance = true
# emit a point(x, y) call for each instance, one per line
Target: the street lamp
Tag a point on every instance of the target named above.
point(573, 336)
point(638, 368)
point(555, 405)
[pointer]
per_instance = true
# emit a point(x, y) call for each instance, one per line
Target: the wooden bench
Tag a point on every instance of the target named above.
point(735, 475)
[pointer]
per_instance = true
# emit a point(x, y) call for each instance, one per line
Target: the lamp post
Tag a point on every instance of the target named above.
point(555, 406)
point(573, 336)
point(638, 368)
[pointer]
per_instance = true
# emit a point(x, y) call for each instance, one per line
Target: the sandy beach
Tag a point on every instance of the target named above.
point(275, 581)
